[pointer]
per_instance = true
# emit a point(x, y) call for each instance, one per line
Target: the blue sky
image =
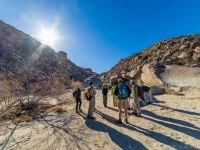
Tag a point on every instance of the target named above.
point(98, 33)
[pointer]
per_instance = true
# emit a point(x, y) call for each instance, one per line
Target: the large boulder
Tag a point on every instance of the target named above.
point(170, 76)
point(183, 55)
point(151, 74)
point(126, 77)
point(115, 77)
point(197, 50)
point(95, 79)
point(196, 56)
point(135, 73)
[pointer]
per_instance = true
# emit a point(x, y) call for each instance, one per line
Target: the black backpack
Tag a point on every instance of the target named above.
point(75, 93)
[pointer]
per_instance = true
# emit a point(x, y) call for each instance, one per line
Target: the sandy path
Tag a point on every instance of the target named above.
point(173, 123)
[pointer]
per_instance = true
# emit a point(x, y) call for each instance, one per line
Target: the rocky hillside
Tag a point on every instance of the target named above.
point(28, 60)
point(182, 51)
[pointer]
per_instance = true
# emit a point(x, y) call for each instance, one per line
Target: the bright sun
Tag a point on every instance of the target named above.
point(47, 37)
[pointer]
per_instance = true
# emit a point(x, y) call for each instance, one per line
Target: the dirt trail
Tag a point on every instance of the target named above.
point(172, 123)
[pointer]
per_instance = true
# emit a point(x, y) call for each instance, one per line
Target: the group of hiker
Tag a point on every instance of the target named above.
point(125, 96)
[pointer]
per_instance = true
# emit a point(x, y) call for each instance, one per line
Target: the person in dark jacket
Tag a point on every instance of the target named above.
point(77, 96)
point(122, 101)
point(105, 95)
point(147, 94)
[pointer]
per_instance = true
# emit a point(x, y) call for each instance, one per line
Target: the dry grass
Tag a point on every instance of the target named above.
point(76, 84)
point(171, 91)
point(31, 111)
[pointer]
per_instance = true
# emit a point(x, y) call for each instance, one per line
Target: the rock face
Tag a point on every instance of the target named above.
point(135, 73)
point(151, 74)
point(95, 79)
point(181, 51)
point(114, 78)
point(170, 76)
point(31, 61)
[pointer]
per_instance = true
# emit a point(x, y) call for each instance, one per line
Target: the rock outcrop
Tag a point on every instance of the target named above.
point(31, 61)
point(151, 63)
point(97, 81)
point(172, 76)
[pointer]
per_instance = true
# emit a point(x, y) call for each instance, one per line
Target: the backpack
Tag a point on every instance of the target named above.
point(123, 93)
point(75, 93)
point(140, 92)
point(87, 95)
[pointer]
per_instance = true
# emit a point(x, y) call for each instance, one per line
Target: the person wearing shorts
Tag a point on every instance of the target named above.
point(122, 103)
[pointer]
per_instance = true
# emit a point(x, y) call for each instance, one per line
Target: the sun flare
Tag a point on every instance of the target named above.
point(47, 37)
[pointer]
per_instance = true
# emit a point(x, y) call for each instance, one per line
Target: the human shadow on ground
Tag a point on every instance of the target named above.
point(61, 128)
point(114, 109)
point(172, 120)
point(122, 140)
point(182, 111)
point(152, 134)
point(195, 132)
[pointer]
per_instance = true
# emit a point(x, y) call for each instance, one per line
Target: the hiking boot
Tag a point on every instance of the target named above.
point(126, 121)
point(80, 110)
point(119, 121)
point(77, 111)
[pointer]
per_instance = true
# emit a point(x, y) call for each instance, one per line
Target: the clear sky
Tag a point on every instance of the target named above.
point(98, 33)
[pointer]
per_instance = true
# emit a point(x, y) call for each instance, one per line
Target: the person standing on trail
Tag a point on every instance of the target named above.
point(115, 99)
point(105, 95)
point(92, 101)
point(77, 96)
point(147, 94)
point(135, 96)
point(122, 91)
point(128, 99)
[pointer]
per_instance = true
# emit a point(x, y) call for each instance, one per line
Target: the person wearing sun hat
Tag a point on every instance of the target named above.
point(134, 95)
point(123, 92)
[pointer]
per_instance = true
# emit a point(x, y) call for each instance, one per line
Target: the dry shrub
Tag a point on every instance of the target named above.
point(171, 91)
point(23, 118)
point(27, 103)
point(76, 84)
point(56, 109)
point(30, 111)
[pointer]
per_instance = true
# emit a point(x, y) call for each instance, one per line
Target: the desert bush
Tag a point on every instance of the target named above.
point(171, 91)
point(76, 84)
point(26, 104)
point(30, 111)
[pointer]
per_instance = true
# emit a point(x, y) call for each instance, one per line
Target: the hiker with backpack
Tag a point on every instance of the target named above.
point(90, 96)
point(77, 96)
point(122, 91)
point(115, 99)
point(105, 95)
point(147, 94)
point(136, 93)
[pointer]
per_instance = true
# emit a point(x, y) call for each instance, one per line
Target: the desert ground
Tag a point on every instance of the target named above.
point(173, 122)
